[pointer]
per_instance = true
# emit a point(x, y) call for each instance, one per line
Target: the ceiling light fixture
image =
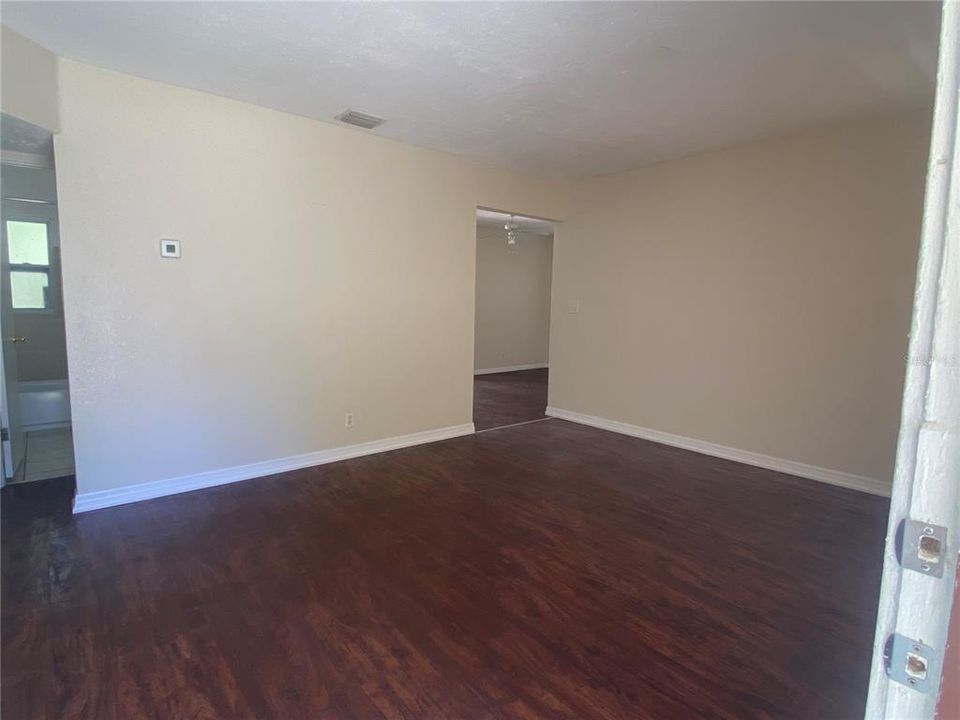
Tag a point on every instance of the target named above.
point(513, 230)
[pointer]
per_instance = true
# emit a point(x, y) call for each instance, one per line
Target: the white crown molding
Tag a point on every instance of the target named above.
point(790, 467)
point(510, 368)
point(84, 502)
point(27, 160)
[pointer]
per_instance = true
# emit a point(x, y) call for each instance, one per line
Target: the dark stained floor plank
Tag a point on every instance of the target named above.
point(508, 398)
point(547, 570)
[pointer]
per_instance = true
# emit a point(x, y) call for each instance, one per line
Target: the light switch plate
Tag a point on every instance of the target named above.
point(170, 248)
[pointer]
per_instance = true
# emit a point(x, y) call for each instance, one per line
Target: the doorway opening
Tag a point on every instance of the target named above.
point(34, 393)
point(512, 319)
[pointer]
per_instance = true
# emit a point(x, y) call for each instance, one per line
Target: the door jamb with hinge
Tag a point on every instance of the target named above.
point(920, 558)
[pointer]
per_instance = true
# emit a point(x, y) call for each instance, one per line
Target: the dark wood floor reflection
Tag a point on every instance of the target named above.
point(508, 398)
point(543, 571)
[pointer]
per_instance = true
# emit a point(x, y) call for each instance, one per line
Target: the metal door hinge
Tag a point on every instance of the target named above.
point(911, 663)
point(4, 434)
point(921, 546)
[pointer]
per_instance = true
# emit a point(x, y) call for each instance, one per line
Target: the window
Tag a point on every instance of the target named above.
point(29, 265)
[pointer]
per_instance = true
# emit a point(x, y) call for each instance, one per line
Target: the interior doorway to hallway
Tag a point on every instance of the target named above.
point(512, 319)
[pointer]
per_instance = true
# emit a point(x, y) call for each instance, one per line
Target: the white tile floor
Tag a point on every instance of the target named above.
point(49, 454)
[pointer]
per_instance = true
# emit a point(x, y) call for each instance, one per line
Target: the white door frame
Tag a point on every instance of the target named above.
point(926, 484)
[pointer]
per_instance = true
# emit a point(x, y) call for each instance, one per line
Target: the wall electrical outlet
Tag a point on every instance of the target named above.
point(573, 306)
point(348, 420)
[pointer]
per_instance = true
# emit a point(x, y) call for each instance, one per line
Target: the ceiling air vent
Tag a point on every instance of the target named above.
point(352, 117)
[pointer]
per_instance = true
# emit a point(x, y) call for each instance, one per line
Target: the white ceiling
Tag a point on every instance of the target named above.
point(496, 220)
point(567, 88)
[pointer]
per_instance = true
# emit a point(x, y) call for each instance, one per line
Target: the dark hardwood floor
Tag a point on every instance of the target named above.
point(508, 398)
point(547, 570)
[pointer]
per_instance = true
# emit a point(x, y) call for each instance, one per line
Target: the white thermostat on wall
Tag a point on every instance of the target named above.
point(170, 248)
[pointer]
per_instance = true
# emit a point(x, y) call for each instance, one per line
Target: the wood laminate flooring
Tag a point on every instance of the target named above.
point(547, 570)
point(501, 399)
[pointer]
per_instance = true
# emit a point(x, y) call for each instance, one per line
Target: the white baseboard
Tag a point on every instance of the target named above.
point(791, 467)
point(85, 502)
point(510, 368)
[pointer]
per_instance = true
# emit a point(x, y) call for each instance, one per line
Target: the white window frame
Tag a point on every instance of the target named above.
point(52, 298)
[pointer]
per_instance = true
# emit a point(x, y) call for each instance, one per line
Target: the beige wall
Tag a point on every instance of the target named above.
point(28, 74)
point(756, 297)
point(324, 271)
point(513, 299)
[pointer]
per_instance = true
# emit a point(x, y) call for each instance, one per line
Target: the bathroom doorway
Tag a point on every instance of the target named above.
point(35, 401)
